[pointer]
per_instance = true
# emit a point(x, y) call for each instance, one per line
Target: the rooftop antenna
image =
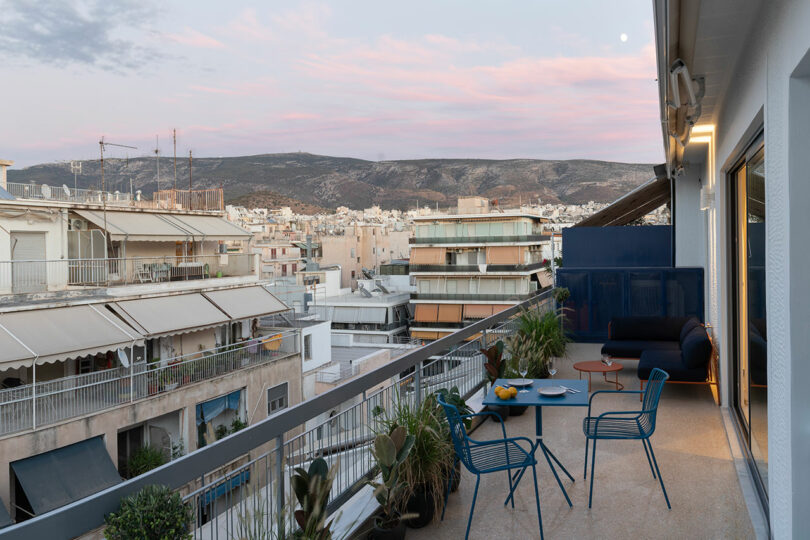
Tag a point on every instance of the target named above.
point(174, 138)
point(189, 181)
point(101, 145)
point(76, 169)
point(157, 159)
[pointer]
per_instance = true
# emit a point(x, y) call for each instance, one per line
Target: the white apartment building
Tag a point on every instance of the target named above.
point(124, 324)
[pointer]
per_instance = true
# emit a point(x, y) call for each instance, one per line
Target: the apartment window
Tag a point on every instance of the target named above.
point(358, 259)
point(277, 398)
point(283, 251)
point(352, 253)
point(283, 269)
point(273, 253)
point(308, 347)
point(353, 274)
point(294, 268)
point(373, 251)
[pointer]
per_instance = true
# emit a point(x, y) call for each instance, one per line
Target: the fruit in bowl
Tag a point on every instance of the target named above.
point(505, 393)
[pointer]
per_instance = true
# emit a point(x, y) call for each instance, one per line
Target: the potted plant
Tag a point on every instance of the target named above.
point(390, 450)
point(153, 512)
point(311, 488)
point(220, 431)
point(495, 367)
point(425, 470)
point(237, 425)
point(144, 459)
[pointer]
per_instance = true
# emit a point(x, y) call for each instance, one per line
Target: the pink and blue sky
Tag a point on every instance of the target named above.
point(367, 79)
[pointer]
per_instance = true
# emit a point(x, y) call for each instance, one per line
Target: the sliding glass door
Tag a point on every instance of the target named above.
point(749, 307)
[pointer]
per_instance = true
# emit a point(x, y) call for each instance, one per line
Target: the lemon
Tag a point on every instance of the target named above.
point(513, 391)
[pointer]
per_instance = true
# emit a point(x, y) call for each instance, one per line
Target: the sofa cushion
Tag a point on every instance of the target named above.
point(671, 362)
point(696, 348)
point(634, 348)
point(687, 327)
point(647, 328)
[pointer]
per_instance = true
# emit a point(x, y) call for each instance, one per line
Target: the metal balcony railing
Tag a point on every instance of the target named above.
point(209, 200)
point(479, 239)
point(53, 275)
point(293, 437)
point(473, 296)
point(35, 405)
point(450, 268)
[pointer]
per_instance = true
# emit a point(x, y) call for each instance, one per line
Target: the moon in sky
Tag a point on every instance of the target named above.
point(623, 37)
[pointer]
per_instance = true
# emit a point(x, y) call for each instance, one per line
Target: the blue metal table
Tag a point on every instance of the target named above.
point(533, 399)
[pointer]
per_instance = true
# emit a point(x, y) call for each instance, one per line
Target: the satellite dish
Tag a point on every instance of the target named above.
point(46, 191)
point(66, 190)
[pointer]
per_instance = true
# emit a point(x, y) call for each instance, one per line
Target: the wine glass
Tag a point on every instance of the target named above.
point(552, 367)
point(523, 369)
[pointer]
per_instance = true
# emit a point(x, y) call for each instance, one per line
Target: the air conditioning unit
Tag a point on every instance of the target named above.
point(78, 225)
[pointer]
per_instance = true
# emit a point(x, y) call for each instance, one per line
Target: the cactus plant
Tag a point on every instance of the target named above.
point(390, 451)
point(312, 489)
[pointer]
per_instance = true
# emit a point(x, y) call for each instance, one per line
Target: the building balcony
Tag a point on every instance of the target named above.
point(32, 406)
point(480, 239)
point(488, 268)
point(474, 297)
point(35, 276)
point(691, 443)
point(203, 200)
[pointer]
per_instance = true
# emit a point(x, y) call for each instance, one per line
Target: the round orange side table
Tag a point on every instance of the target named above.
point(596, 366)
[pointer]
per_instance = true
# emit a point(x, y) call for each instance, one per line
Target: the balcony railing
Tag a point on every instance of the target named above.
point(293, 438)
point(169, 199)
point(44, 275)
point(449, 268)
point(480, 239)
point(35, 405)
point(473, 296)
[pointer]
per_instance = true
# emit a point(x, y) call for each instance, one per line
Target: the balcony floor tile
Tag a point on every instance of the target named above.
point(693, 454)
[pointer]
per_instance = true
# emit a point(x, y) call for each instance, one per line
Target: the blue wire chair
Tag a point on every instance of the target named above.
point(483, 457)
point(627, 425)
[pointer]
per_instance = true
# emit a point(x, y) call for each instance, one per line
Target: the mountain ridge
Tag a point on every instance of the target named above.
point(329, 182)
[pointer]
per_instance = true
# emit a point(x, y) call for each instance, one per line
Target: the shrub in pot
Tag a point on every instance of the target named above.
point(154, 513)
point(144, 459)
point(424, 472)
point(390, 450)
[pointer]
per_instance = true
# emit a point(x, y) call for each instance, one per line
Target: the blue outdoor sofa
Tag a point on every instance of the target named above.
point(678, 345)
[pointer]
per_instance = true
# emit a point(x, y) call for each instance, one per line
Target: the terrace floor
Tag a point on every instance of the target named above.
point(693, 454)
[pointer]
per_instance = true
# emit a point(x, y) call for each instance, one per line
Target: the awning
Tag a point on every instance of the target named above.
point(167, 315)
point(152, 227)
point(425, 312)
point(374, 315)
point(61, 333)
point(504, 255)
point(345, 315)
point(428, 255)
point(212, 408)
point(477, 311)
point(449, 313)
point(208, 227)
point(638, 203)
point(61, 476)
point(246, 302)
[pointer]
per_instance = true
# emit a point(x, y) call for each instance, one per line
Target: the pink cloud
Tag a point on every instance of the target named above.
point(194, 38)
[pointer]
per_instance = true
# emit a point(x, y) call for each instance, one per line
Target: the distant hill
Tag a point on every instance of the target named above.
point(330, 182)
point(271, 199)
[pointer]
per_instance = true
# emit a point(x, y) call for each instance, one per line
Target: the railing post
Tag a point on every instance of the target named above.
point(280, 475)
point(34, 396)
point(417, 382)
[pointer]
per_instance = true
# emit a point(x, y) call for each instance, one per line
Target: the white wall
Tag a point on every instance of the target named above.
point(52, 223)
point(759, 89)
point(690, 221)
point(321, 346)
